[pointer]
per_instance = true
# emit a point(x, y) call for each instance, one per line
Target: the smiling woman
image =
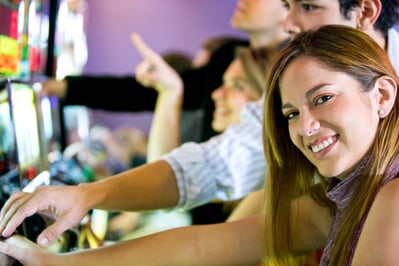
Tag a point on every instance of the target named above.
point(316, 105)
point(331, 92)
point(243, 81)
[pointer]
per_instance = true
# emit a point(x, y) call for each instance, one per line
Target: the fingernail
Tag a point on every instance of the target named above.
point(43, 241)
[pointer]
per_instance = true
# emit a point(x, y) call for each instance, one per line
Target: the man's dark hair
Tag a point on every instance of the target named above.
point(388, 18)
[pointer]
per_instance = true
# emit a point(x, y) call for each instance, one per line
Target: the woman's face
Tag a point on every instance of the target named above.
point(330, 119)
point(231, 97)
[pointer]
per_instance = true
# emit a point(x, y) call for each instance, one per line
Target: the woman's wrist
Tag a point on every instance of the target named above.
point(91, 195)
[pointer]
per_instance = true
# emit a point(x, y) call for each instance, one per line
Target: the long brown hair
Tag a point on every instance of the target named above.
point(290, 174)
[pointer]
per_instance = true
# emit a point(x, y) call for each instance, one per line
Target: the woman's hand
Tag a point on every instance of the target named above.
point(65, 204)
point(52, 86)
point(153, 71)
point(25, 251)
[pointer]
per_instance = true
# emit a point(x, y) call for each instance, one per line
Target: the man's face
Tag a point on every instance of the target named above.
point(258, 15)
point(305, 15)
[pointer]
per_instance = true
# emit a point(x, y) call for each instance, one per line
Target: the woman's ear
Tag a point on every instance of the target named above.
point(386, 91)
point(369, 12)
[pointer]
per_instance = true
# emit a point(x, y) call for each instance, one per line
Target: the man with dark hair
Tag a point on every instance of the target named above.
point(376, 18)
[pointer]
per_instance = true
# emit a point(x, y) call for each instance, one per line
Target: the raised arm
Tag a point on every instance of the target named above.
point(154, 72)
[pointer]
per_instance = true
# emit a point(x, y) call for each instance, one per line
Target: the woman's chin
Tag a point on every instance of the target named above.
point(219, 126)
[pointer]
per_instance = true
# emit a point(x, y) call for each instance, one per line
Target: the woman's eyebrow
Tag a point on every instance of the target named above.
point(315, 89)
point(308, 94)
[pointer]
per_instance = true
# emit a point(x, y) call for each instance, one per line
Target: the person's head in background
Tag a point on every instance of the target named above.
point(178, 60)
point(208, 47)
point(330, 85)
point(262, 20)
point(375, 17)
point(243, 81)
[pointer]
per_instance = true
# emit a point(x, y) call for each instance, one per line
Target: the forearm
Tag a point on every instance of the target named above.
point(250, 205)
point(165, 128)
point(219, 244)
point(152, 186)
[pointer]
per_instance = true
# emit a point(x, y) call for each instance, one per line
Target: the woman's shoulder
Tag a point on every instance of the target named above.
point(380, 231)
point(390, 191)
point(386, 201)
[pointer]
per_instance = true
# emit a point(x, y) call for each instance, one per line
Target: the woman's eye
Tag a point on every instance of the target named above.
point(291, 115)
point(237, 86)
point(323, 99)
point(286, 5)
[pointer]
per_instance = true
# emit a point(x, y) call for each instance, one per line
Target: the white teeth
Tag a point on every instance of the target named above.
point(321, 146)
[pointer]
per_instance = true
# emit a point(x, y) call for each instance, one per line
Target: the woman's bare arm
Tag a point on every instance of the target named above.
point(379, 241)
point(235, 243)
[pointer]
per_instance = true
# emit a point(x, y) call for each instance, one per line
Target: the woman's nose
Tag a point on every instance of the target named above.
point(309, 124)
point(218, 93)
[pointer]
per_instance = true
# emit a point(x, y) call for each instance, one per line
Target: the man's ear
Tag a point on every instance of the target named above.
point(369, 12)
point(387, 93)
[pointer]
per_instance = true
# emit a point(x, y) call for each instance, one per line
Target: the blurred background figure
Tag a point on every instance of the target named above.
point(71, 37)
point(209, 47)
point(72, 55)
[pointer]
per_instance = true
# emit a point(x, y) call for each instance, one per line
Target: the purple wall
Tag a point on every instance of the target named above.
point(163, 24)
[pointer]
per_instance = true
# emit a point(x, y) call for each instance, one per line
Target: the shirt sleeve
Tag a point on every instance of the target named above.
point(227, 166)
point(110, 93)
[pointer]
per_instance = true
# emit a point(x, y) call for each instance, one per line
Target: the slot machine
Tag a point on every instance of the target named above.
point(30, 123)
point(20, 149)
point(34, 117)
point(32, 138)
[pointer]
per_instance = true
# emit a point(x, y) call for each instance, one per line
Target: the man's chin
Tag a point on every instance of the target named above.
point(235, 21)
point(238, 25)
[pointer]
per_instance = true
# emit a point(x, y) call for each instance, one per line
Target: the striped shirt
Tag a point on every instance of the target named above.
point(227, 166)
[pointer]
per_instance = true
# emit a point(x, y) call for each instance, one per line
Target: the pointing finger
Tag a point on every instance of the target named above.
point(145, 51)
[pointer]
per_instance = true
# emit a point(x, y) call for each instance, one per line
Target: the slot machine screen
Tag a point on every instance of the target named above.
point(49, 124)
point(9, 173)
point(7, 143)
point(26, 128)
